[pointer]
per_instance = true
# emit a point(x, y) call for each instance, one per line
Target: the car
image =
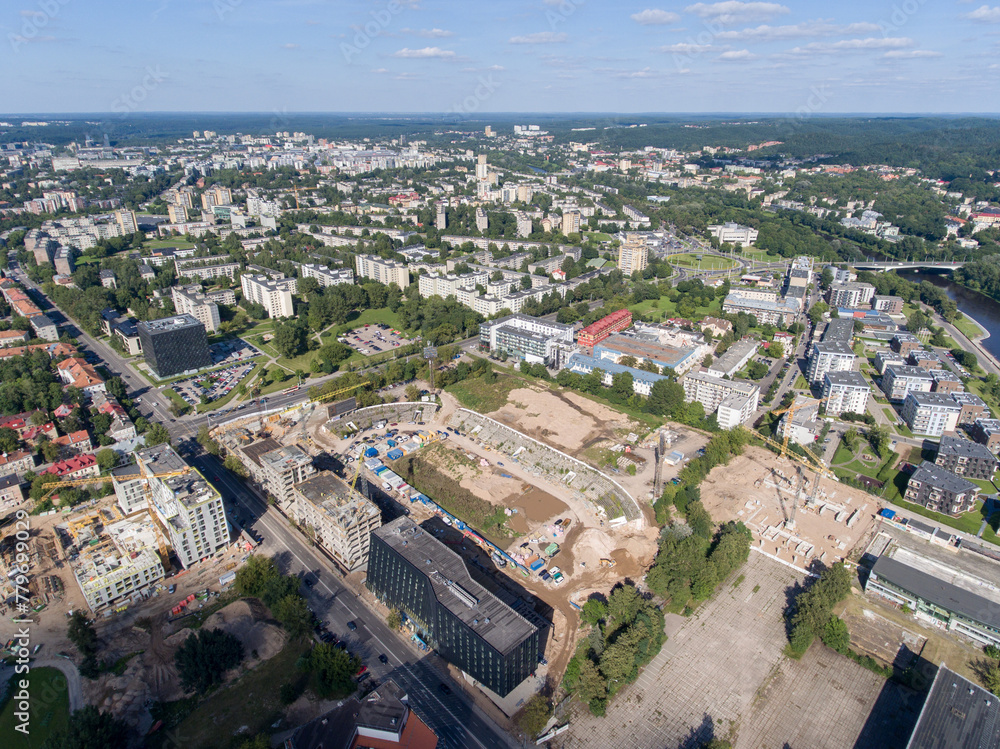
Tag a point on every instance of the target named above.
point(363, 677)
point(444, 688)
point(383, 659)
point(310, 582)
point(362, 670)
point(352, 626)
point(172, 589)
point(499, 463)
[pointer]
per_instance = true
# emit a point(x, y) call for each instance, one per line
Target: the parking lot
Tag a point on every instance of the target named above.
point(213, 385)
point(374, 339)
point(232, 351)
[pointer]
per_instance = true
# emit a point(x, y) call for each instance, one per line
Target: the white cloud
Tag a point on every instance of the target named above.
point(737, 55)
point(654, 17)
point(984, 13)
point(911, 54)
point(873, 42)
point(290, 45)
point(765, 33)
point(541, 37)
point(685, 48)
point(644, 73)
point(424, 54)
point(380, 71)
point(429, 33)
point(734, 11)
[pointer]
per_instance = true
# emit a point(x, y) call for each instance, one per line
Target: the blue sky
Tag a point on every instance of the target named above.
point(475, 56)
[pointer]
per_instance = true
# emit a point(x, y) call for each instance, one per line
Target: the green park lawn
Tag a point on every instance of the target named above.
point(663, 308)
point(159, 244)
point(969, 328)
point(597, 236)
point(969, 522)
point(801, 383)
point(707, 262)
point(49, 710)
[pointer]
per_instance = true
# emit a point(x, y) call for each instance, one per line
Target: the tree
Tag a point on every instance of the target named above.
point(294, 615)
point(826, 277)
point(535, 715)
point(776, 351)
point(157, 434)
point(106, 459)
point(412, 393)
point(817, 311)
point(623, 605)
point(234, 465)
point(205, 440)
point(203, 658)
point(289, 338)
point(591, 685)
point(9, 440)
point(665, 397)
point(879, 438)
point(394, 620)
point(756, 370)
point(835, 635)
point(594, 611)
point(50, 450)
point(851, 438)
point(89, 728)
point(330, 670)
point(82, 634)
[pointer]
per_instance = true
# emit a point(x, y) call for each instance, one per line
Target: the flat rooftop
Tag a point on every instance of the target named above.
point(177, 322)
point(337, 499)
point(928, 473)
point(957, 714)
point(494, 621)
point(964, 448)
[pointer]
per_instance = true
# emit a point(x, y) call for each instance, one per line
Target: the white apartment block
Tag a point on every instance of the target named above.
point(900, 381)
point(186, 506)
point(710, 391)
point(845, 392)
point(204, 268)
point(274, 295)
point(124, 564)
point(829, 356)
point(852, 295)
point(571, 222)
point(482, 220)
point(446, 286)
point(733, 234)
point(523, 223)
point(341, 518)
point(282, 469)
point(930, 414)
point(735, 409)
point(191, 301)
point(383, 271)
point(327, 276)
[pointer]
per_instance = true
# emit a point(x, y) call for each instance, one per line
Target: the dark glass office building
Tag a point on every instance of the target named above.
point(412, 571)
point(174, 345)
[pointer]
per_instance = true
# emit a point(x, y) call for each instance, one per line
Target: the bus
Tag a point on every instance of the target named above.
point(290, 390)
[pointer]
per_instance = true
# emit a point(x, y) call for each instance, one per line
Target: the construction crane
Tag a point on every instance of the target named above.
point(57, 485)
point(333, 394)
point(788, 412)
point(297, 190)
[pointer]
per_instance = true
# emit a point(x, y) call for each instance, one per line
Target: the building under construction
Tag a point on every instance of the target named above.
point(114, 560)
point(341, 518)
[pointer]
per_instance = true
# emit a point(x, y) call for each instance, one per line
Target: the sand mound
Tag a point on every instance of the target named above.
point(239, 620)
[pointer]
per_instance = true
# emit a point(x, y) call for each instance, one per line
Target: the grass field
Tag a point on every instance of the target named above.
point(597, 236)
point(856, 465)
point(159, 244)
point(251, 702)
point(49, 710)
point(707, 262)
point(663, 308)
point(485, 397)
point(969, 328)
point(801, 383)
point(969, 522)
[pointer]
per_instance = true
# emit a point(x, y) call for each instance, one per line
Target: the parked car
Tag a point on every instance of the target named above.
point(444, 688)
point(352, 626)
point(383, 659)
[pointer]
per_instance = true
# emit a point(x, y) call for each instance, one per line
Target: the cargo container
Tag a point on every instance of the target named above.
point(394, 454)
point(371, 452)
point(536, 565)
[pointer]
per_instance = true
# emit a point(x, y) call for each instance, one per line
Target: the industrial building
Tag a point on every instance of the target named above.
point(174, 345)
point(341, 518)
point(526, 338)
point(643, 349)
point(598, 331)
point(414, 572)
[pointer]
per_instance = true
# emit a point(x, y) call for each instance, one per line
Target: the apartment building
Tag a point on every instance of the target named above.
point(940, 490)
point(973, 408)
point(845, 392)
point(966, 458)
point(571, 222)
point(734, 358)
point(891, 305)
point(732, 233)
point(779, 313)
point(633, 255)
point(526, 338)
point(44, 328)
point(205, 268)
point(900, 380)
point(178, 214)
point(523, 223)
point(736, 409)
point(282, 469)
point(186, 507)
point(327, 276)
point(482, 220)
point(829, 356)
point(946, 381)
point(710, 391)
point(852, 295)
point(930, 414)
point(381, 270)
point(341, 518)
point(987, 432)
point(598, 331)
point(448, 285)
point(274, 295)
point(904, 344)
point(122, 562)
point(189, 300)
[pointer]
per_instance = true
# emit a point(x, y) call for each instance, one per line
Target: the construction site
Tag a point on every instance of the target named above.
point(796, 515)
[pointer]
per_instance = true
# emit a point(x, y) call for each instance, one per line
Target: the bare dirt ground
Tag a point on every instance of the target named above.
point(760, 489)
point(567, 421)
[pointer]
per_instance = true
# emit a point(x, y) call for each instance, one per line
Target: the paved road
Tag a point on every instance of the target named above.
point(453, 717)
point(68, 670)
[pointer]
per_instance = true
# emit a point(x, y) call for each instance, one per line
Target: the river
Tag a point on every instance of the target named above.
point(985, 310)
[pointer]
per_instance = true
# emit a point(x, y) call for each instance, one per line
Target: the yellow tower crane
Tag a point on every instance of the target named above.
point(297, 190)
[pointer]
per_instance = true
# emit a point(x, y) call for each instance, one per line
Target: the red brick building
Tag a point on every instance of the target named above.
point(598, 331)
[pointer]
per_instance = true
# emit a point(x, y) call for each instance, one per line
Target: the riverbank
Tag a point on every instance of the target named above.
point(988, 362)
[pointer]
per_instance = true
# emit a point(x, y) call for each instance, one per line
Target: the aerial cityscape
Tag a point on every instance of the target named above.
point(550, 373)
